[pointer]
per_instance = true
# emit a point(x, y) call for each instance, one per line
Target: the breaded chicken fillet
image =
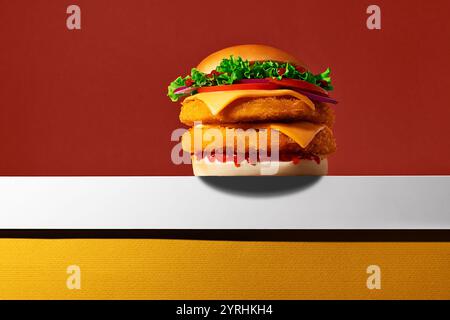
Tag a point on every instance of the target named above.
point(323, 143)
point(258, 110)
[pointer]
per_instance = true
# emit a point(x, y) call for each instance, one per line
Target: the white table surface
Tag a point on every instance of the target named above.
point(333, 202)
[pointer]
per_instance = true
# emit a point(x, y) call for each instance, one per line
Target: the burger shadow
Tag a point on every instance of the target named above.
point(261, 186)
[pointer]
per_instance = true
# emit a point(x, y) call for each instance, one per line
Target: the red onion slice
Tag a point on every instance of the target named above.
point(316, 97)
point(184, 90)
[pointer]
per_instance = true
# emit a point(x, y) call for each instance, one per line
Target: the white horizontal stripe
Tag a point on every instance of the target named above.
point(407, 202)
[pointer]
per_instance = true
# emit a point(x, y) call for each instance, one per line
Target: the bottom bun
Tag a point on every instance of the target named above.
point(204, 167)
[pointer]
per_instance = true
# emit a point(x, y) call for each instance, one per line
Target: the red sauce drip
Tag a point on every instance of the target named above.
point(300, 69)
point(323, 83)
point(214, 73)
point(284, 157)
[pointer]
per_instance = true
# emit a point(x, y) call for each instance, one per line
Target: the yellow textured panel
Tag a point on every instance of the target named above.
point(186, 269)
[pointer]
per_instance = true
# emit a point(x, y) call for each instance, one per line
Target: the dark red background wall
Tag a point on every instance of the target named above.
point(93, 102)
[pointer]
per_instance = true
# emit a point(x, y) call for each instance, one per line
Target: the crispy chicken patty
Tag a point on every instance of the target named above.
point(323, 144)
point(258, 110)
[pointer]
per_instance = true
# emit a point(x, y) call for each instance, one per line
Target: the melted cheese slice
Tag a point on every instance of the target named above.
point(301, 132)
point(218, 100)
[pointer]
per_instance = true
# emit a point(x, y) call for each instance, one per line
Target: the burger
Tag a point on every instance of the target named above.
point(255, 110)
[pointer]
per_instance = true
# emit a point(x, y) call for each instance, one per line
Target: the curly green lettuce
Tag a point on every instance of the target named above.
point(235, 68)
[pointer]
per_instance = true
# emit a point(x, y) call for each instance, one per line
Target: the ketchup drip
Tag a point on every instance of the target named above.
point(237, 158)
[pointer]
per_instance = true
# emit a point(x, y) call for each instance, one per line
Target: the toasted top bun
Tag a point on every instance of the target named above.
point(250, 52)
